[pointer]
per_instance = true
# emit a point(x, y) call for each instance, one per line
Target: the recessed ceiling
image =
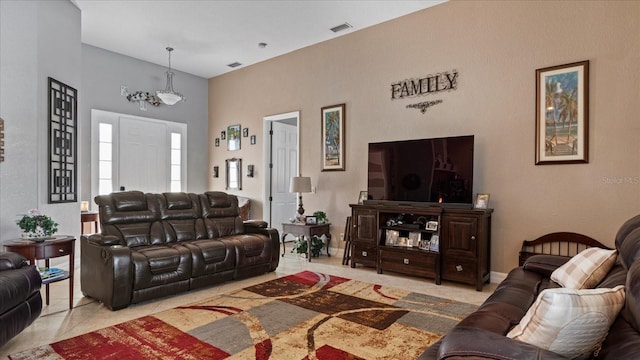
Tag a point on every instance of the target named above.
point(208, 35)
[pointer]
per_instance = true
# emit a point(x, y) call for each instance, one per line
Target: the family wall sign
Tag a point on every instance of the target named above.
point(428, 85)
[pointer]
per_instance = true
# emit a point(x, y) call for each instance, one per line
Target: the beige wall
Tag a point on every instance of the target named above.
point(496, 48)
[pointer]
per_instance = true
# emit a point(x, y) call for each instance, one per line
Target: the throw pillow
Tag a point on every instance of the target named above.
point(586, 269)
point(570, 322)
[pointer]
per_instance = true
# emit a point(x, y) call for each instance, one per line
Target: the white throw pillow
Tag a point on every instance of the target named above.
point(586, 269)
point(570, 322)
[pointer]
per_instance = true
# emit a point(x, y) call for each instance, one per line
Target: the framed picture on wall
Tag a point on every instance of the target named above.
point(333, 135)
point(562, 114)
point(233, 137)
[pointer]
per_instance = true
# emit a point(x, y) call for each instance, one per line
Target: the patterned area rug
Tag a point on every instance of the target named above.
point(302, 316)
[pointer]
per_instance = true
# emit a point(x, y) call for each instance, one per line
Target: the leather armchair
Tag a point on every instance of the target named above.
point(20, 300)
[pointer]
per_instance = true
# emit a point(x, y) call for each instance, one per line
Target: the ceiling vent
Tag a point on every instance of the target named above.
point(234, 64)
point(341, 27)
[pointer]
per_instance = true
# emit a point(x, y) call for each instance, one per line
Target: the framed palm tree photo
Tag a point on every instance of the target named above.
point(333, 130)
point(562, 114)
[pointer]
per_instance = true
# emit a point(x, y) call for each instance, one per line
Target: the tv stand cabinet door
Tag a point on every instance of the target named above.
point(364, 237)
point(465, 249)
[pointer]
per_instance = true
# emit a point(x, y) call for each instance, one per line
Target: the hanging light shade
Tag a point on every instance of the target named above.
point(168, 95)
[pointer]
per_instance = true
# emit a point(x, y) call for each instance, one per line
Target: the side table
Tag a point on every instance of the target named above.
point(56, 246)
point(307, 231)
point(89, 217)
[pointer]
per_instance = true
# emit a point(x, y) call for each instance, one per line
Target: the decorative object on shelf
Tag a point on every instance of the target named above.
point(310, 220)
point(300, 184)
point(233, 137)
point(234, 174)
point(245, 132)
point(434, 243)
point(223, 135)
point(415, 237)
point(362, 197)
point(482, 201)
point(216, 171)
point(391, 237)
point(562, 114)
point(423, 106)
point(250, 171)
point(300, 246)
point(321, 217)
point(253, 139)
point(35, 225)
point(333, 136)
point(168, 95)
point(432, 225)
point(217, 142)
point(1, 140)
point(63, 142)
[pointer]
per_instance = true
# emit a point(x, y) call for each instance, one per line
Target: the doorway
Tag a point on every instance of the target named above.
point(136, 153)
point(281, 149)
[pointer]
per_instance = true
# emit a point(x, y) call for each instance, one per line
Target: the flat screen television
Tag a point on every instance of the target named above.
point(424, 171)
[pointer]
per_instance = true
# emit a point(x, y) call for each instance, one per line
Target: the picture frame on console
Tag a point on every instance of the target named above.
point(333, 136)
point(362, 197)
point(482, 201)
point(562, 114)
point(311, 220)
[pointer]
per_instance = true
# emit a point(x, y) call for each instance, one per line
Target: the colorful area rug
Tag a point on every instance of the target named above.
point(302, 316)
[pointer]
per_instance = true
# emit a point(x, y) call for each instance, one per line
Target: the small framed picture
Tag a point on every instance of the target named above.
point(310, 220)
point(245, 132)
point(363, 196)
point(217, 142)
point(434, 244)
point(482, 201)
point(392, 237)
point(402, 241)
point(432, 225)
point(414, 239)
point(223, 135)
point(424, 244)
point(233, 143)
point(253, 139)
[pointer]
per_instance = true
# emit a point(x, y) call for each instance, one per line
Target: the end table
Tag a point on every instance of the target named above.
point(52, 247)
point(307, 231)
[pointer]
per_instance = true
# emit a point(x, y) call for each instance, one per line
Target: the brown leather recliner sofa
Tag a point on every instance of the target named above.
point(154, 245)
point(20, 300)
point(482, 335)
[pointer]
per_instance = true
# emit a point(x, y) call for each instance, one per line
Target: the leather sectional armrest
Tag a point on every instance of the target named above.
point(467, 342)
point(107, 240)
point(256, 224)
point(11, 260)
point(544, 264)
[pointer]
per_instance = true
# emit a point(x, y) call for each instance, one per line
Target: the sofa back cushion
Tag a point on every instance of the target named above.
point(221, 214)
point(131, 216)
point(181, 216)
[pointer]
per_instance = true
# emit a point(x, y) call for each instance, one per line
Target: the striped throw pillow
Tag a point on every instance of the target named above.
point(570, 322)
point(586, 269)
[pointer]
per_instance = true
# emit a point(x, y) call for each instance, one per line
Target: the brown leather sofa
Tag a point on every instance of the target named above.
point(482, 335)
point(20, 300)
point(154, 245)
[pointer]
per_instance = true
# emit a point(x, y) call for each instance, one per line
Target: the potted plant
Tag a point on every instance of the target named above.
point(300, 246)
point(321, 217)
point(36, 225)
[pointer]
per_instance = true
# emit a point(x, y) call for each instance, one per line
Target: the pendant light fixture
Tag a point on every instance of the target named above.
point(168, 95)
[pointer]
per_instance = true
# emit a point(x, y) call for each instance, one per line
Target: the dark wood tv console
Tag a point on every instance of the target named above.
point(395, 238)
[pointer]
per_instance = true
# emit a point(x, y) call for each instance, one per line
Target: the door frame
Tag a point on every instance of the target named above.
point(113, 118)
point(267, 156)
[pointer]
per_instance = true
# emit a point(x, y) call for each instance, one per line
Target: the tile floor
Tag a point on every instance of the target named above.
point(57, 322)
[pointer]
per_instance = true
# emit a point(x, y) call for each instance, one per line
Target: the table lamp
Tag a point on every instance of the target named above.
point(300, 184)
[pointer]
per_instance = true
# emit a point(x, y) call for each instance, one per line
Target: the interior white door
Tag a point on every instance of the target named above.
point(143, 156)
point(284, 153)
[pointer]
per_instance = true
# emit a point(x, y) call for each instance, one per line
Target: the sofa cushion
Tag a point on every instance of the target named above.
point(586, 269)
point(570, 322)
point(130, 201)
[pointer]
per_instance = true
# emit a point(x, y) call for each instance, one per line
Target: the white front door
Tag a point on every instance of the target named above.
point(285, 165)
point(143, 156)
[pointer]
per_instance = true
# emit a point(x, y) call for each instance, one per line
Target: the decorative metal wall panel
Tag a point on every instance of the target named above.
point(63, 142)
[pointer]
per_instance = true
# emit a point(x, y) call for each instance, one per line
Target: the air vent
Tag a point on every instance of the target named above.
point(341, 27)
point(233, 65)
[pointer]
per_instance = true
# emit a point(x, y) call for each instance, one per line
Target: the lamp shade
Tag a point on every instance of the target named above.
point(300, 184)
